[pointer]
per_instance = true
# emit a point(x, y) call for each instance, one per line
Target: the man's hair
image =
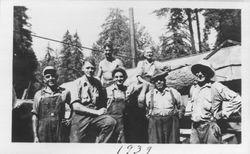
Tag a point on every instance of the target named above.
point(90, 60)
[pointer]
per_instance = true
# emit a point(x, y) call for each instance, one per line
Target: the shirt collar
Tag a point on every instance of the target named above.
point(167, 89)
point(49, 91)
point(115, 87)
point(207, 85)
point(146, 61)
point(85, 80)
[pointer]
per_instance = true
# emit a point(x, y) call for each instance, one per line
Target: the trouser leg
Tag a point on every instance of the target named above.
point(194, 136)
point(155, 131)
point(174, 130)
point(214, 134)
point(105, 125)
point(79, 126)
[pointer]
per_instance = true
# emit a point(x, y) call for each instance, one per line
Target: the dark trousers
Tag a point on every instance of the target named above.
point(89, 128)
point(205, 132)
point(163, 129)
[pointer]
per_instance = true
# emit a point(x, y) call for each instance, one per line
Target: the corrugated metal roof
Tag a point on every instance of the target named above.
point(227, 63)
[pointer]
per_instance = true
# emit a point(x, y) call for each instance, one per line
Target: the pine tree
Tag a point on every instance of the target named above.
point(227, 23)
point(176, 42)
point(116, 30)
point(24, 58)
point(71, 58)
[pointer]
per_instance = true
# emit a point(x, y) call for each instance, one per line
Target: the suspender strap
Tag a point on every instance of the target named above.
point(173, 98)
point(213, 91)
point(151, 103)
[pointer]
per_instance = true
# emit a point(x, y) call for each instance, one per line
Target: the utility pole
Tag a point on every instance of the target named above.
point(132, 36)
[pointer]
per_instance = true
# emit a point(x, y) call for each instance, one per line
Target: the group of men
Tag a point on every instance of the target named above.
point(102, 104)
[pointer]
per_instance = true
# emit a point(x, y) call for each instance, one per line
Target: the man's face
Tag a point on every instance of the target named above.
point(88, 69)
point(160, 83)
point(50, 79)
point(108, 52)
point(201, 77)
point(148, 54)
point(119, 78)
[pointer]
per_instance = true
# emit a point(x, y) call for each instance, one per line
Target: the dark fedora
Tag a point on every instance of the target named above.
point(160, 74)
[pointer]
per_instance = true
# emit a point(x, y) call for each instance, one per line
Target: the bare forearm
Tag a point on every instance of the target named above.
point(99, 74)
point(80, 108)
point(35, 125)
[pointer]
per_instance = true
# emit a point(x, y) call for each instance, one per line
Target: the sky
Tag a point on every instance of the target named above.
point(52, 20)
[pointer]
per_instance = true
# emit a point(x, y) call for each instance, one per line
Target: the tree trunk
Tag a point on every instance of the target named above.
point(188, 12)
point(198, 29)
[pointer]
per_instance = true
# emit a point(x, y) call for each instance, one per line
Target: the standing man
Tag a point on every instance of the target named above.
point(107, 66)
point(49, 109)
point(207, 97)
point(165, 108)
point(89, 109)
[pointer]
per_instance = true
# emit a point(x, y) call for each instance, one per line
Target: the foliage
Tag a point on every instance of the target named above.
point(115, 29)
point(50, 59)
point(227, 23)
point(24, 58)
point(71, 58)
point(176, 41)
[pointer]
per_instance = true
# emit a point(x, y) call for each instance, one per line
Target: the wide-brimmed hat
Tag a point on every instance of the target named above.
point(160, 74)
point(49, 70)
point(205, 67)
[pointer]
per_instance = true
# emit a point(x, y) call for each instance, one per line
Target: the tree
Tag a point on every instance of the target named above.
point(24, 58)
point(49, 59)
point(116, 31)
point(176, 41)
point(71, 58)
point(196, 11)
point(189, 13)
point(227, 23)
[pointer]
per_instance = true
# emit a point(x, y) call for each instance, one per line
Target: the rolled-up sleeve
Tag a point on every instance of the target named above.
point(37, 98)
point(231, 99)
point(139, 68)
point(75, 92)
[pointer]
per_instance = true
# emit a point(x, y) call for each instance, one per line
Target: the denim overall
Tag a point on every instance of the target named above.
point(51, 111)
point(116, 110)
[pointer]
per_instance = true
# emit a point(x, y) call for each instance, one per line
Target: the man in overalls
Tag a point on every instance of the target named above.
point(89, 120)
point(207, 97)
point(165, 108)
point(49, 109)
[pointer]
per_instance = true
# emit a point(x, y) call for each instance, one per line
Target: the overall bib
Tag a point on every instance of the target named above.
point(51, 112)
point(116, 110)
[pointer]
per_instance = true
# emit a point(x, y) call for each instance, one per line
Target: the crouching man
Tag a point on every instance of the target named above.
point(207, 98)
point(164, 110)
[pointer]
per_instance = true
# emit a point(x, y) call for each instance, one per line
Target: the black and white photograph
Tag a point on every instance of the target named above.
point(126, 77)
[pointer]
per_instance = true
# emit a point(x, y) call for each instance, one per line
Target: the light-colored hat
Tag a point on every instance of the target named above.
point(205, 67)
point(49, 69)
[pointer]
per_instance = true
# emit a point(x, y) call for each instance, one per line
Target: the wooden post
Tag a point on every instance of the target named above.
point(132, 36)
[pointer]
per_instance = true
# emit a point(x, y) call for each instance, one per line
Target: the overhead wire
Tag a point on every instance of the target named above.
point(81, 47)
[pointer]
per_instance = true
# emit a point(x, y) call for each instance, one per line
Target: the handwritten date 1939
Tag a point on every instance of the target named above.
point(134, 149)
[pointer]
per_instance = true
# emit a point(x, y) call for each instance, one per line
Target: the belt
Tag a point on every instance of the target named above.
point(164, 113)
